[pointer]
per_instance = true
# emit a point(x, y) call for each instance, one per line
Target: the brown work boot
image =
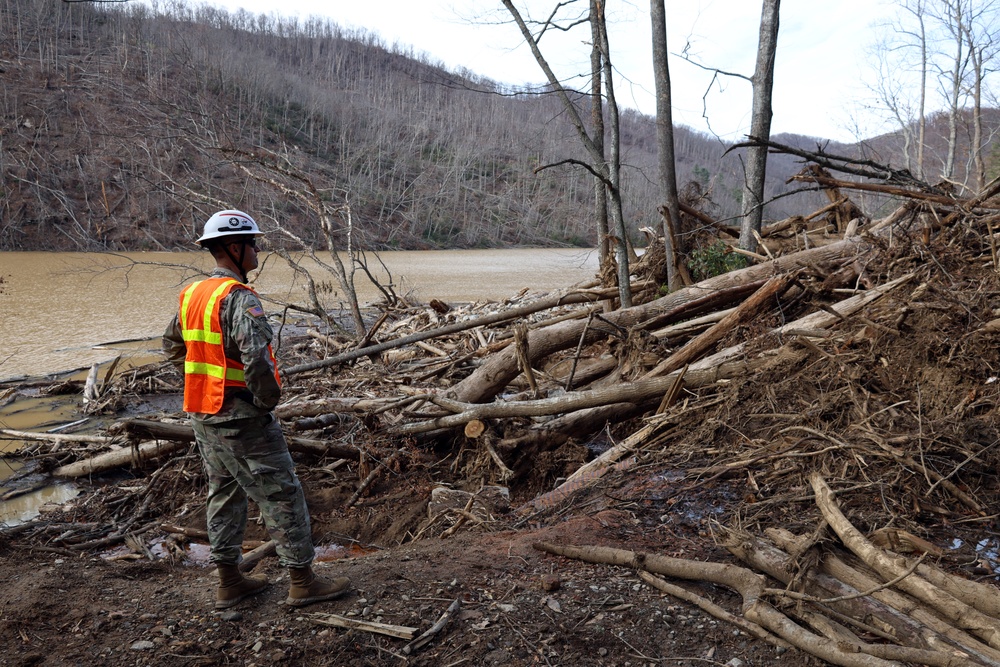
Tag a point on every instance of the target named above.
point(307, 588)
point(234, 587)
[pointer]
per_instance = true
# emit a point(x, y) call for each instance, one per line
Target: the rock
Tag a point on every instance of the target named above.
point(736, 662)
point(142, 645)
point(488, 500)
point(232, 616)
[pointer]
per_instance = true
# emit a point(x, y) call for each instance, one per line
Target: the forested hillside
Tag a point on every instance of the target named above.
point(123, 128)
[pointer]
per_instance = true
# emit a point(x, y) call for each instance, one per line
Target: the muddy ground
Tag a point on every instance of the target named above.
point(66, 609)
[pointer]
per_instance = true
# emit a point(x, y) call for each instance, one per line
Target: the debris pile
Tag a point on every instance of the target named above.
point(825, 418)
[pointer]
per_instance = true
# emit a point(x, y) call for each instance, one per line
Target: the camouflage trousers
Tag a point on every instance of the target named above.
point(249, 458)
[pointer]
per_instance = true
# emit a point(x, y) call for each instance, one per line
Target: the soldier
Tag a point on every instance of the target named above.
point(220, 340)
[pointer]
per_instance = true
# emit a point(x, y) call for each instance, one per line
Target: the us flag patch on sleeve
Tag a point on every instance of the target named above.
point(256, 311)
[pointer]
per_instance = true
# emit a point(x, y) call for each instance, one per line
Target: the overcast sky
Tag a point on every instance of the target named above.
point(819, 74)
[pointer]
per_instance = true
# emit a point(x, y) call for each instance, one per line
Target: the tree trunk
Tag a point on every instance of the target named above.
point(760, 126)
point(708, 369)
point(118, 458)
point(607, 173)
point(597, 124)
point(622, 247)
point(774, 562)
point(749, 585)
point(665, 139)
point(891, 566)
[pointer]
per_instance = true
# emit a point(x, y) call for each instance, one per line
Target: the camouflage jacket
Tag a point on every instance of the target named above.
point(245, 336)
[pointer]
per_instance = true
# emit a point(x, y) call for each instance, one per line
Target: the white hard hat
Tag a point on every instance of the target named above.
point(229, 223)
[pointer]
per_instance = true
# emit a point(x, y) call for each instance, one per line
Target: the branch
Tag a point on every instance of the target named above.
point(604, 179)
point(877, 171)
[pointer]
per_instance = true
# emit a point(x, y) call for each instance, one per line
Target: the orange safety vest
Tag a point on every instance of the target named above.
point(207, 370)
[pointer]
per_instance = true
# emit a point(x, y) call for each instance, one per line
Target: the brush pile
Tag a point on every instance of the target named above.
point(825, 417)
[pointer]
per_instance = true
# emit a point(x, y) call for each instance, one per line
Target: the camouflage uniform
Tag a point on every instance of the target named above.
point(242, 446)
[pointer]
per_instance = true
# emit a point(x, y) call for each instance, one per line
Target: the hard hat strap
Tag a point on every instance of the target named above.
point(239, 264)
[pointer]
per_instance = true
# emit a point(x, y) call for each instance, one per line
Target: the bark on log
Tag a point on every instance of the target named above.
point(196, 533)
point(575, 424)
point(118, 458)
point(327, 405)
point(147, 429)
point(838, 569)
point(890, 566)
point(697, 346)
point(561, 299)
point(254, 556)
point(56, 438)
point(779, 565)
point(702, 372)
point(747, 583)
point(498, 371)
point(893, 190)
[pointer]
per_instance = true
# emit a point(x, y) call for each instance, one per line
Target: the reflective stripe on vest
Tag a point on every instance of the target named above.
point(207, 371)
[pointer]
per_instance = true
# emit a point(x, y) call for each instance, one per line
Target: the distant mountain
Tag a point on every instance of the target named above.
point(124, 128)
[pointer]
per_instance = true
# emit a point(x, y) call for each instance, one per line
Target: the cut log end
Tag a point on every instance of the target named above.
point(474, 428)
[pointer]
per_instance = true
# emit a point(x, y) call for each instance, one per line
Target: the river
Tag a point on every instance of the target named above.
point(65, 311)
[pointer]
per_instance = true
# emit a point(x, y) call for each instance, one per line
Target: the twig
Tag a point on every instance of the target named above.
point(462, 516)
point(524, 639)
point(434, 629)
point(372, 476)
point(579, 349)
point(795, 595)
point(400, 631)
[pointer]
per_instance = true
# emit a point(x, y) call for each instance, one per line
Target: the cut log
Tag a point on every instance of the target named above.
point(474, 428)
point(642, 391)
point(127, 456)
point(497, 372)
point(697, 346)
point(750, 586)
point(891, 566)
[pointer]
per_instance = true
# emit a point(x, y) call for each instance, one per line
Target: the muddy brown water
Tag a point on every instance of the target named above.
point(60, 313)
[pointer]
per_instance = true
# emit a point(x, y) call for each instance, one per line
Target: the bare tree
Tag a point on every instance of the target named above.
point(609, 172)
point(665, 139)
point(597, 123)
point(275, 171)
point(760, 126)
point(952, 73)
point(979, 31)
point(904, 47)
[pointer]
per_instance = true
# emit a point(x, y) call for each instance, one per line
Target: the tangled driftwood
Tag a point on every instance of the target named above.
point(805, 371)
